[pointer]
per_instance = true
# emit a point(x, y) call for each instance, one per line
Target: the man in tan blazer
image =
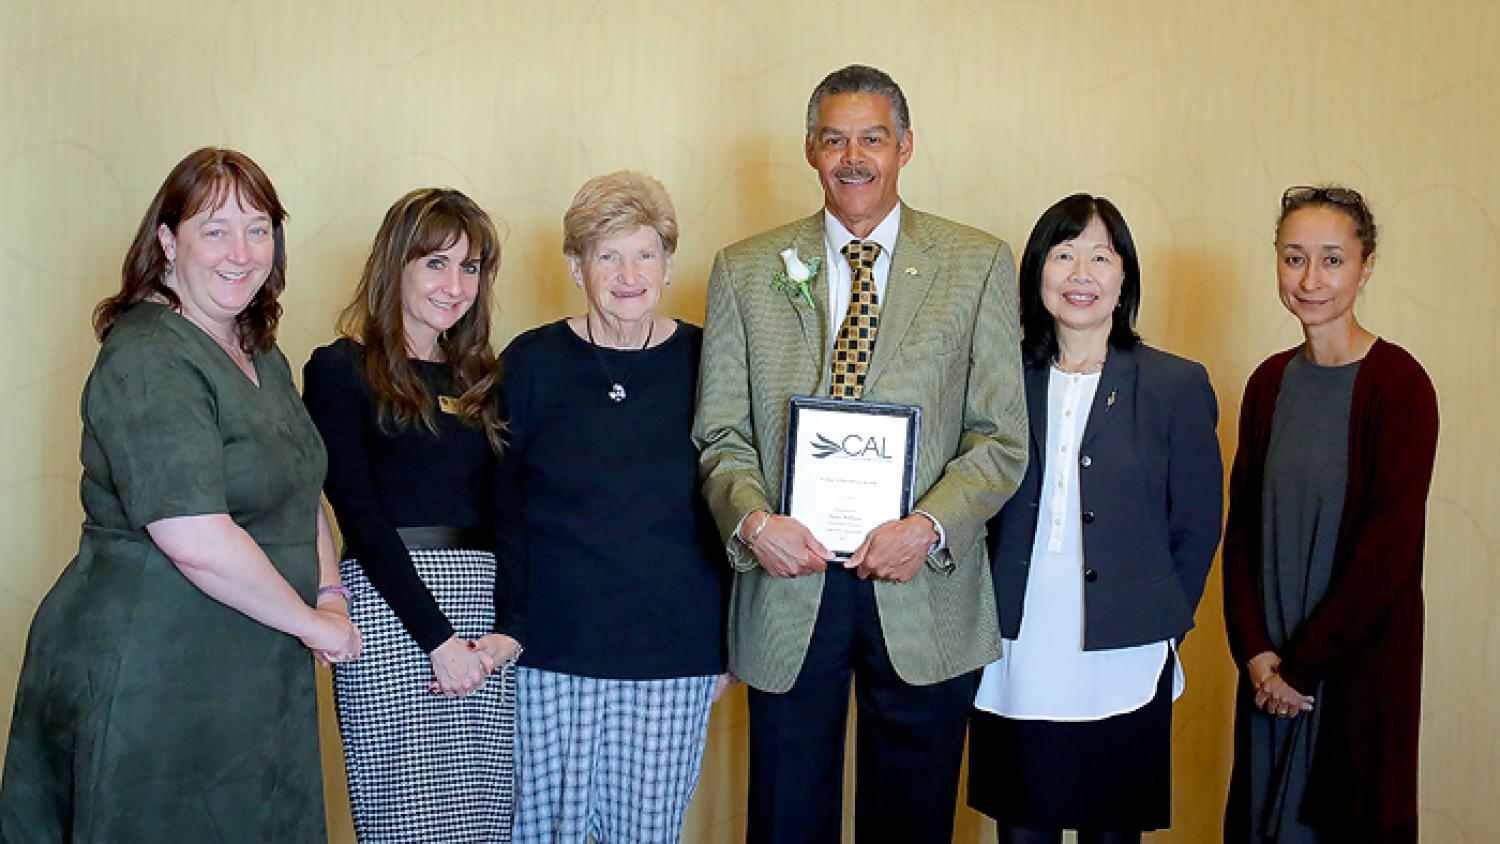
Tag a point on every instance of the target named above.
point(911, 615)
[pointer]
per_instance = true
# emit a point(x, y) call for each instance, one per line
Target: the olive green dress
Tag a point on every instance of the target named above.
point(146, 710)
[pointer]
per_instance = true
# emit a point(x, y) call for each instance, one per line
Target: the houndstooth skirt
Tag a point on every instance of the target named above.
point(421, 767)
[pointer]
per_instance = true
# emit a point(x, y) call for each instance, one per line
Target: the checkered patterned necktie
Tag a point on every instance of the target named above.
point(856, 340)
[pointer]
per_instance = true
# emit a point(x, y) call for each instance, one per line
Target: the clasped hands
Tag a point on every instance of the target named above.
point(894, 551)
point(1273, 694)
point(460, 666)
point(332, 637)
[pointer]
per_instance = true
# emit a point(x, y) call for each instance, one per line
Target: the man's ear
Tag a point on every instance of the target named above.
point(904, 147)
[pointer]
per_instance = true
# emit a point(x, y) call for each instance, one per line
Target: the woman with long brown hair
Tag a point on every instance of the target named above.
point(405, 403)
point(166, 695)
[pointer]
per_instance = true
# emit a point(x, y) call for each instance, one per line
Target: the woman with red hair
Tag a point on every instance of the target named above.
point(167, 692)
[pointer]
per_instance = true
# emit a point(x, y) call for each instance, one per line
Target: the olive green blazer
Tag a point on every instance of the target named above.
point(948, 341)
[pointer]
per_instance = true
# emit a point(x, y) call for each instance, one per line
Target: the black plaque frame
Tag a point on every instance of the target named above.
point(912, 414)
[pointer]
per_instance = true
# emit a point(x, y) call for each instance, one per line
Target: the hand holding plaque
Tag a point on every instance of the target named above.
point(783, 546)
point(895, 551)
point(850, 466)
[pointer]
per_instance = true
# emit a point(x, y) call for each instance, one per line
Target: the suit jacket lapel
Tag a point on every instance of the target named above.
point(1037, 380)
point(808, 241)
point(914, 268)
point(1116, 392)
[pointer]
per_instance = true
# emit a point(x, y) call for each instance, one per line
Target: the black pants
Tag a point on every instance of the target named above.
point(909, 739)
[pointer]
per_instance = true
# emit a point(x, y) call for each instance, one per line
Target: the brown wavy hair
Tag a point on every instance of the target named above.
point(206, 178)
point(425, 221)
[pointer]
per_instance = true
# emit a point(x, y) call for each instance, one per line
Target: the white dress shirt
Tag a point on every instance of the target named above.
point(1045, 674)
point(841, 288)
point(841, 278)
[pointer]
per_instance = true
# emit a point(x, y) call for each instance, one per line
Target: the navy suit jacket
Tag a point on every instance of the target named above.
point(1151, 486)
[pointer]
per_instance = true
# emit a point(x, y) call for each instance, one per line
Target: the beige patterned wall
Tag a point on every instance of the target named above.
point(1192, 115)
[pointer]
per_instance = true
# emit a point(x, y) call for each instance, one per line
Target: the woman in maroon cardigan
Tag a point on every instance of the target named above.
point(1323, 553)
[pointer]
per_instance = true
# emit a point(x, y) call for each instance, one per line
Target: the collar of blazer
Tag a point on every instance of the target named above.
point(1116, 391)
point(914, 267)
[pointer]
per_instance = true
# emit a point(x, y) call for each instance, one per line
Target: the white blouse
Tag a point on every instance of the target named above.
point(1045, 674)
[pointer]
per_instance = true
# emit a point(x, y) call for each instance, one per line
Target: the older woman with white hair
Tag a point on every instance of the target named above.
point(624, 581)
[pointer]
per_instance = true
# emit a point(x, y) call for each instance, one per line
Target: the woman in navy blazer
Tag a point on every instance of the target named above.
point(1101, 556)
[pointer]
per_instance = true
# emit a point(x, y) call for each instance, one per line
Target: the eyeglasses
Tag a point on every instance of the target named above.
point(1304, 194)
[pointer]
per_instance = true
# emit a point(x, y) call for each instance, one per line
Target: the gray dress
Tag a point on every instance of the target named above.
point(146, 710)
point(1306, 469)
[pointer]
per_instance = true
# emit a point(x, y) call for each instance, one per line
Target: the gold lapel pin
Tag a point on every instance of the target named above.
point(1109, 401)
point(911, 270)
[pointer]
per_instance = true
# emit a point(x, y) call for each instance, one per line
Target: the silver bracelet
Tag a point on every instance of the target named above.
point(755, 534)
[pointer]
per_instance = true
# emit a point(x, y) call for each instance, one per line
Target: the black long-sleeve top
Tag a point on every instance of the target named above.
point(624, 574)
point(380, 480)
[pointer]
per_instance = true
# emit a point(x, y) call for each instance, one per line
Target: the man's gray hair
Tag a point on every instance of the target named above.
point(859, 79)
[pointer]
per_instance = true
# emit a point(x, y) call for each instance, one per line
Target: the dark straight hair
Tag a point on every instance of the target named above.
point(1064, 221)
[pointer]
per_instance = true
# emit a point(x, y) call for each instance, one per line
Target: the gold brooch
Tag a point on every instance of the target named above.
point(911, 270)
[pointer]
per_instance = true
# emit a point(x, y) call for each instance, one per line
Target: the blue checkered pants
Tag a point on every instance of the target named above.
point(612, 760)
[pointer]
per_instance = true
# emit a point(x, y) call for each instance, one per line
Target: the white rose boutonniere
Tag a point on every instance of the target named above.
point(797, 276)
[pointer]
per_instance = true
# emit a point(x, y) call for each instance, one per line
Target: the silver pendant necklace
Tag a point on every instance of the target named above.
point(1085, 368)
point(616, 392)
